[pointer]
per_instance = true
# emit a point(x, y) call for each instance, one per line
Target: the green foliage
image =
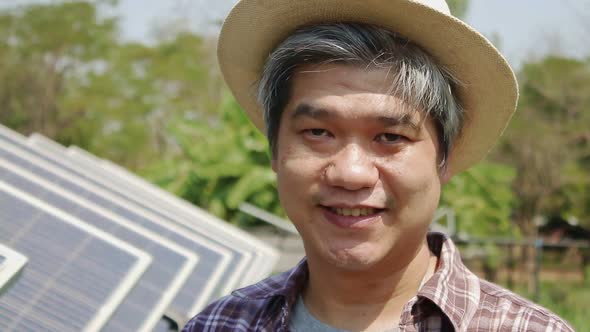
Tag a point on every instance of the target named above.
point(482, 199)
point(67, 76)
point(458, 7)
point(163, 109)
point(41, 47)
point(548, 141)
point(222, 163)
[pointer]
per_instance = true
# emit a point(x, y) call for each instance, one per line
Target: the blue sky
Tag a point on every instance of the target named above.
point(526, 28)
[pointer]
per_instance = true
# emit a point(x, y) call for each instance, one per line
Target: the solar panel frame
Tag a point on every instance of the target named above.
point(133, 275)
point(128, 183)
point(174, 285)
point(10, 266)
point(13, 142)
point(265, 256)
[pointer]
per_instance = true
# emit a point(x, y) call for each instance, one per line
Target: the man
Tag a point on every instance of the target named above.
point(369, 107)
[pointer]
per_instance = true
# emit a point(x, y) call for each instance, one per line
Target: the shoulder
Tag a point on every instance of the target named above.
point(231, 313)
point(258, 307)
point(502, 309)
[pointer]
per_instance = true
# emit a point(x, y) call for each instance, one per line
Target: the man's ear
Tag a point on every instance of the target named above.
point(445, 175)
point(273, 163)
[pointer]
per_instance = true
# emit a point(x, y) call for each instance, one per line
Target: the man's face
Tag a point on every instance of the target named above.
point(356, 168)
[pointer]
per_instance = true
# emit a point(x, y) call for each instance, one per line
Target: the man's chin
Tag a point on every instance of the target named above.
point(353, 259)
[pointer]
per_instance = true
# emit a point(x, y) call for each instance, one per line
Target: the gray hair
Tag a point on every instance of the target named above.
point(417, 79)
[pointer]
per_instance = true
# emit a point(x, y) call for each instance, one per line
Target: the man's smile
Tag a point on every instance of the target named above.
point(352, 217)
point(363, 211)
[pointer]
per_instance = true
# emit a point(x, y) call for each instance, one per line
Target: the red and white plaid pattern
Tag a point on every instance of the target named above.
point(453, 299)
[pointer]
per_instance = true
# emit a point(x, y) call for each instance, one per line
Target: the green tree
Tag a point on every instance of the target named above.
point(221, 163)
point(65, 74)
point(42, 46)
point(548, 144)
point(138, 92)
point(482, 199)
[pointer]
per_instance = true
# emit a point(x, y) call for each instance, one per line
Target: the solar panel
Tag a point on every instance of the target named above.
point(215, 260)
point(262, 262)
point(136, 188)
point(171, 266)
point(11, 264)
point(164, 204)
point(127, 184)
point(77, 275)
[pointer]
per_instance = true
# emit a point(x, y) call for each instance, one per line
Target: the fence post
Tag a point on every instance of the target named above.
point(538, 257)
point(510, 262)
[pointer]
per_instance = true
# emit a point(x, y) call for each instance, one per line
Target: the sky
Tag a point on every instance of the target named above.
point(525, 29)
point(532, 28)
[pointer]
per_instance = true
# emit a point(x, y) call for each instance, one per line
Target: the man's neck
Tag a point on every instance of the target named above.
point(366, 300)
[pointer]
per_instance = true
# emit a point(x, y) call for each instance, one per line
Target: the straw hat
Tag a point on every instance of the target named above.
point(489, 91)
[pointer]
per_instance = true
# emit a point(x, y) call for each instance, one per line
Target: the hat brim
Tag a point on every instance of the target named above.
point(488, 90)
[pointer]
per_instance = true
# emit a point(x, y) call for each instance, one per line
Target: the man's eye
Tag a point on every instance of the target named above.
point(317, 132)
point(389, 138)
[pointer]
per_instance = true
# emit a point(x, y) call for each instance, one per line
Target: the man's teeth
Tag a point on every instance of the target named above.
point(354, 212)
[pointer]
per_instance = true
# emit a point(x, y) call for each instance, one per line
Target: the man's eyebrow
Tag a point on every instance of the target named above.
point(307, 110)
point(399, 120)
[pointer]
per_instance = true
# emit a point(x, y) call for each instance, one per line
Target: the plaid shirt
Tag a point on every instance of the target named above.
point(453, 299)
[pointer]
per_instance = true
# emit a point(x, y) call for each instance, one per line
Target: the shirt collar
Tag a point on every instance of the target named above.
point(452, 288)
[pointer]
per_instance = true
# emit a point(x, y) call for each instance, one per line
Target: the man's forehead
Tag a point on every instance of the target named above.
point(328, 90)
point(384, 117)
point(347, 74)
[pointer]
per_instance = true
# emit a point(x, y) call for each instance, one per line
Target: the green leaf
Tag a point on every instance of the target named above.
point(257, 179)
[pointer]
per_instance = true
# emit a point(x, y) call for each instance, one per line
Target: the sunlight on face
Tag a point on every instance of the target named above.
point(356, 168)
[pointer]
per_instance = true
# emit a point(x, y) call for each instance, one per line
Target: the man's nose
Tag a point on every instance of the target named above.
point(352, 168)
